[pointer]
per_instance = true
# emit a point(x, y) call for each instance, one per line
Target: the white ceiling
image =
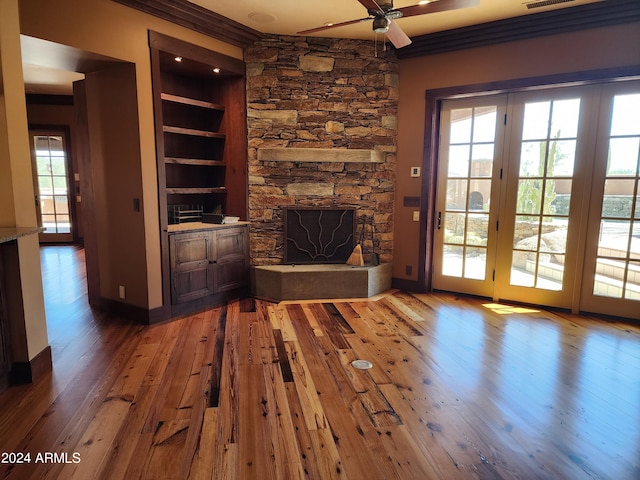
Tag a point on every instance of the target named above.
point(287, 17)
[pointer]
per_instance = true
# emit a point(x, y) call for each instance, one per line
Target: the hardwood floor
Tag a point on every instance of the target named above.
point(267, 391)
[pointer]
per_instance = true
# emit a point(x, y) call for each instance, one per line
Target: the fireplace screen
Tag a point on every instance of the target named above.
point(318, 235)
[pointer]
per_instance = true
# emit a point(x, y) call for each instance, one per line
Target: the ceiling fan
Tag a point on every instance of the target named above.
point(383, 15)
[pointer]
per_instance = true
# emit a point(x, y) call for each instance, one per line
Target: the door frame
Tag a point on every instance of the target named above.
point(65, 132)
point(433, 102)
point(481, 287)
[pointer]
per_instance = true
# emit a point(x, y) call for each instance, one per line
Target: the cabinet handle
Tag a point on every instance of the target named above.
point(212, 261)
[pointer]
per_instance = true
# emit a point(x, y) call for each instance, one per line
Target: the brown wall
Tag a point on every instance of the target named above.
point(117, 181)
point(571, 52)
point(107, 28)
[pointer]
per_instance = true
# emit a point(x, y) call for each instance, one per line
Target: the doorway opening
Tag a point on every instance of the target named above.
point(50, 154)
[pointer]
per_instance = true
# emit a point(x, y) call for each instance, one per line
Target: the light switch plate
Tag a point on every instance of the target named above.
point(415, 171)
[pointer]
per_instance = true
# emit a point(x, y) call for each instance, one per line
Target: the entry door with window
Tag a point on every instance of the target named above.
point(537, 198)
point(468, 192)
point(506, 191)
point(51, 182)
point(548, 148)
point(611, 282)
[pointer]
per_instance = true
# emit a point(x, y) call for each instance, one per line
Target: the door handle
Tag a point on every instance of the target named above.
point(439, 224)
point(37, 201)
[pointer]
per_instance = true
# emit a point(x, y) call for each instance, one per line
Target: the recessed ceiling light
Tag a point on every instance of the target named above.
point(216, 70)
point(261, 17)
point(178, 59)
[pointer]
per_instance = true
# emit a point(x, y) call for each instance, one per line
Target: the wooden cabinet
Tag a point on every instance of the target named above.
point(192, 269)
point(209, 262)
point(201, 136)
point(231, 258)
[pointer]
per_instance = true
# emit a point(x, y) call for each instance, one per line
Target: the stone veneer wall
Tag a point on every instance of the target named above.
point(320, 93)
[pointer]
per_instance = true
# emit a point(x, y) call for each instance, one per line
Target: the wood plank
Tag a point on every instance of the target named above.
point(193, 132)
point(217, 345)
point(203, 460)
point(457, 391)
point(122, 453)
point(280, 320)
point(191, 101)
point(335, 395)
point(287, 455)
point(290, 154)
point(283, 357)
point(255, 449)
point(194, 161)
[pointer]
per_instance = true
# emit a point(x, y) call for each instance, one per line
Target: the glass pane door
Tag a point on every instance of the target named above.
point(469, 170)
point(612, 278)
point(52, 183)
point(545, 175)
point(537, 221)
point(538, 198)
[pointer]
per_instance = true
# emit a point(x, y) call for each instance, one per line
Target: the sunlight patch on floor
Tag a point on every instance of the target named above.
point(505, 309)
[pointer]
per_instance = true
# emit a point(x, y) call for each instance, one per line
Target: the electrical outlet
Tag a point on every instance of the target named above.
point(415, 171)
point(416, 216)
point(122, 292)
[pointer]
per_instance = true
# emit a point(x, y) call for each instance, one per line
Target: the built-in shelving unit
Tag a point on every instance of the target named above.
point(200, 112)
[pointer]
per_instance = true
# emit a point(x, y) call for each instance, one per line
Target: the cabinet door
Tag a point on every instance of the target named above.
point(192, 268)
point(231, 256)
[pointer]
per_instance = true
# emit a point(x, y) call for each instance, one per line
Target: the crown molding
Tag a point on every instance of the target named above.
point(194, 17)
point(582, 17)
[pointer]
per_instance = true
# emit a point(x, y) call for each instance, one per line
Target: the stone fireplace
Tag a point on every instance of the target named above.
point(322, 128)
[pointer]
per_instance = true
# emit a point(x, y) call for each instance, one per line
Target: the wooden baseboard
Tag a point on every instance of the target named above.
point(132, 312)
point(29, 372)
point(208, 302)
point(410, 285)
point(166, 312)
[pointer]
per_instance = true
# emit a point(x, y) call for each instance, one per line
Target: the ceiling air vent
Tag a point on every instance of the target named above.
point(545, 3)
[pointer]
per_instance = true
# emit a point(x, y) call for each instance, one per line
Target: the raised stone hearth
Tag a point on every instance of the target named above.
point(312, 282)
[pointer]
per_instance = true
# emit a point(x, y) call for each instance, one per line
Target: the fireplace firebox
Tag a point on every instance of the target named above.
point(318, 235)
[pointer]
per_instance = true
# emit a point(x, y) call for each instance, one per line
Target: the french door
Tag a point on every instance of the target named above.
point(612, 273)
point(532, 190)
point(469, 169)
point(51, 184)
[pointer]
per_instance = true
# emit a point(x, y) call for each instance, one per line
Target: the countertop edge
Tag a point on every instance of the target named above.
point(8, 234)
point(195, 226)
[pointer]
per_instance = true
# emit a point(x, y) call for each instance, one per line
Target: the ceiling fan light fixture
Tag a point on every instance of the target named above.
point(381, 24)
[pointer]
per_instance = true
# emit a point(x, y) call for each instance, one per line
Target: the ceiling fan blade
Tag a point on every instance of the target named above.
point(334, 25)
point(397, 36)
point(371, 5)
point(436, 6)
